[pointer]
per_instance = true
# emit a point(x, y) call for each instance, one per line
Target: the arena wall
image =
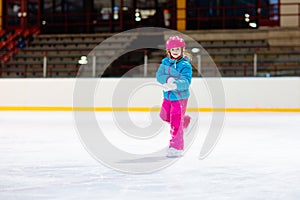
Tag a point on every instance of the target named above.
point(288, 13)
point(142, 94)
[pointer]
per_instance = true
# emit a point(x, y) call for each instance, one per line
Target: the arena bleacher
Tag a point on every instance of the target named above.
point(232, 51)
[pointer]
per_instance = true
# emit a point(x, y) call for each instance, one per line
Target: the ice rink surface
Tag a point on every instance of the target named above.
point(257, 157)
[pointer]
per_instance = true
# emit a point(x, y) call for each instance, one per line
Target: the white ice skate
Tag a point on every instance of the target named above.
point(174, 153)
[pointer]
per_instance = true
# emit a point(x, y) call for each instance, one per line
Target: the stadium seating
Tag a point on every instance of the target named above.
point(231, 51)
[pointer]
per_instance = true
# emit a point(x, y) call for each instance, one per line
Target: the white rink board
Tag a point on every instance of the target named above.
point(238, 92)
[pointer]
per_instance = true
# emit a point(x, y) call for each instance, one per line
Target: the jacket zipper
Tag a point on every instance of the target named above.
point(169, 72)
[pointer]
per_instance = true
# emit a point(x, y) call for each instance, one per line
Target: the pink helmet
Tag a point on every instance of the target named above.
point(174, 42)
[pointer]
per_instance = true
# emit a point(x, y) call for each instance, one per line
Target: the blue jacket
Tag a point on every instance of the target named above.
point(181, 71)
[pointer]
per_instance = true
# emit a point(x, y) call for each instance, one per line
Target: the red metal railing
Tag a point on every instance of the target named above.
point(12, 41)
point(9, 45)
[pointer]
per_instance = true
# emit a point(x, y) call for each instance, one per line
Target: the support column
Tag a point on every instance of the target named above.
point(181, 15)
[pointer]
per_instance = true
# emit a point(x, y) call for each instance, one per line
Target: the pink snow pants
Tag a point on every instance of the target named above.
point(173, 112)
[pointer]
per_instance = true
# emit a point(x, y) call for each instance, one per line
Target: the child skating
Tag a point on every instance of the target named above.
point(175, 75)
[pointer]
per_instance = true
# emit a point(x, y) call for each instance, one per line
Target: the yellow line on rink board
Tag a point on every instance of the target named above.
point(138, 109)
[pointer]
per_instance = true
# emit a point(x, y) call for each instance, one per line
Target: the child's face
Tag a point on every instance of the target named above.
point(175, 52)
